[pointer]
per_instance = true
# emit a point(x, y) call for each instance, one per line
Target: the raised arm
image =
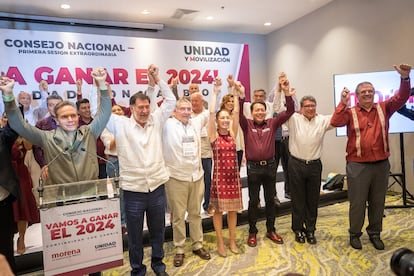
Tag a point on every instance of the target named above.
point(169, 100)
point(173, 87)
point(15, 118)
point(238, 92)
point(277, 100)
point(290, 105)
point(399, 99)
point(104, 112)
point(211, 128)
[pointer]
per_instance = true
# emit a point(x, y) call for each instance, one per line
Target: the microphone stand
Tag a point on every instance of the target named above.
point(40, 188)
point(116, 175)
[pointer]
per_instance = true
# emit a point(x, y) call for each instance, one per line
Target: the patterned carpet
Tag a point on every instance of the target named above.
point(332, 255)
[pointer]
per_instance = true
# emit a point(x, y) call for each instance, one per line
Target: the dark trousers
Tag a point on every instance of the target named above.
point(153, 205)
point(282, 154)
point(102, 171)
point(367, 185)
point(305, 184)
point(261, 176)
point(207, 166)
point(239, 158)
point(7, 231)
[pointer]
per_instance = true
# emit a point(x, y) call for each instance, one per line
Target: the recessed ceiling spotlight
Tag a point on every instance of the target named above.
point(209, 18)
point(65, 6)
point(145, 12)
point(268, 23)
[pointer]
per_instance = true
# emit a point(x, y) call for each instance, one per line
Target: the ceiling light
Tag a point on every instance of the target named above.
point(268, 23)
point(152, 27)
point(65, 6)
point(209, 18)
point(145, 12)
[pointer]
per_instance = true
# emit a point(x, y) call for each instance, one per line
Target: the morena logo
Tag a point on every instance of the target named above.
point(65, 254)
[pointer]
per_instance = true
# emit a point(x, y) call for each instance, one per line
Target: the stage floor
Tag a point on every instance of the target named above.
point(33, 238)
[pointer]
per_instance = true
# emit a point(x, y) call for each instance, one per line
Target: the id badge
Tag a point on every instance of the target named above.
point(189, 146)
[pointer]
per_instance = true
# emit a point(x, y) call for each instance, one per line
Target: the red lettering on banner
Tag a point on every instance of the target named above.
point(194, 76)
point(85, 76)
point(14, 73)
point(38, 74)
point(120, 76)
point(103, 217)
point(64, 76)
point(62, 224)
point(57, 234)
point(141, 76)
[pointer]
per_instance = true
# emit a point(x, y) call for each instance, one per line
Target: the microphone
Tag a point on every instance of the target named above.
point(40, 188)
point(116, 176)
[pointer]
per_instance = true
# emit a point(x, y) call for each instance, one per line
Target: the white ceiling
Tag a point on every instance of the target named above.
point(240, 16)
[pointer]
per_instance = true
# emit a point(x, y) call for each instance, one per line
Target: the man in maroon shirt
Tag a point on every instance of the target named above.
point(367, 151)
point(259, 137)
point(85, 118)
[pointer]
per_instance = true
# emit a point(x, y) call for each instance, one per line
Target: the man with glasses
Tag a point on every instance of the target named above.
point(185, 188)
point(142, 168)
point(367, 151)
point(259, 95)
point(306, 130)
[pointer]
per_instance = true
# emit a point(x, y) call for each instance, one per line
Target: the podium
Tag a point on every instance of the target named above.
point(81, 227)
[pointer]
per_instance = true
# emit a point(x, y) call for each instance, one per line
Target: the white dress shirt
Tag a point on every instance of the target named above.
point(184, 165)
point(141, 163)
point(306, 136)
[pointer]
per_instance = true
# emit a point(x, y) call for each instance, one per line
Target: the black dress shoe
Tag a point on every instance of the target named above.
point(299, 237)
point(355, 242)
point(310, 237)
point(377, 242)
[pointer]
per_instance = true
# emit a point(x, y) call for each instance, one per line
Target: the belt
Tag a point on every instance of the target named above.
point(262, 162)
point(373, 162)
point(307, 162)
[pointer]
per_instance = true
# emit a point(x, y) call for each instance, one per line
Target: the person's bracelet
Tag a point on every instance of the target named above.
point(8, 98)
point(406, 78)
point(103, 88)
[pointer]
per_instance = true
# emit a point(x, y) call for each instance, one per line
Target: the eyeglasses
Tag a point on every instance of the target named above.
point(184, 109)
point(367, 91)
point(310, 106)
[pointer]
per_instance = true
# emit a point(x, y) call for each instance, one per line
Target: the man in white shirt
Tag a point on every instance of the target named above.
point(306, 132)
point(259, 95)
point(185, 188)
point(34, 114)
point(198, 109)
point(143, 171)
point(282, 133)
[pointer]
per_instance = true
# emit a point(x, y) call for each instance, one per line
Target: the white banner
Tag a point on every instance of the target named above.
point(61, 58)
point(82, 238)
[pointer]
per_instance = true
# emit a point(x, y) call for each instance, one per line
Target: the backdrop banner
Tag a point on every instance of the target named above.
point(61, 58)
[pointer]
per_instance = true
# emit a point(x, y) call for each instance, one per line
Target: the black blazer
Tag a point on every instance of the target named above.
point(8, 177)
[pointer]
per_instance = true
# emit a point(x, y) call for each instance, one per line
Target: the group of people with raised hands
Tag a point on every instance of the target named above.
point(175, 176)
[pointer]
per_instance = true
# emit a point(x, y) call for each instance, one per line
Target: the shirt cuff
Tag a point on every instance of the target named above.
point(8, 98)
